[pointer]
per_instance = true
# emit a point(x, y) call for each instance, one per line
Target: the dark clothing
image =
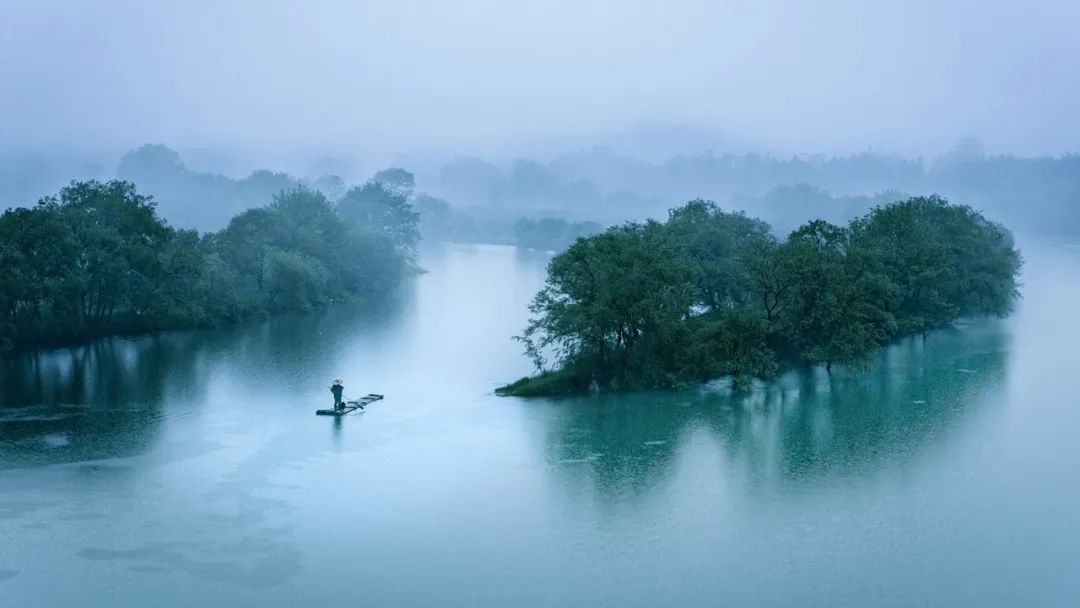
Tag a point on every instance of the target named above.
point(337, 390)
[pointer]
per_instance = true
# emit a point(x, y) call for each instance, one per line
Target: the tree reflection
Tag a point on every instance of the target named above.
point(802, 428)
point(626, 443)
point(112, 397)
point(101, 400)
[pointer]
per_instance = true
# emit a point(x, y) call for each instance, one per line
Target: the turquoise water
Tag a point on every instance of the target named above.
point(188, 468)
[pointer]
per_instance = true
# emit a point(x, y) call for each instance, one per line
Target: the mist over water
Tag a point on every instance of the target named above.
point(187, 467)
point(373, 191)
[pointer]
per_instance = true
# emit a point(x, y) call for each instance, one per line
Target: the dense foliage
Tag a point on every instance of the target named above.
point(709, 294)
point(377, 208)
point(97, 259)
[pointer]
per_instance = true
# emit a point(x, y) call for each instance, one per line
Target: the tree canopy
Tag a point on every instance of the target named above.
point(709, 294)
point(378, 209)
point(97, 259)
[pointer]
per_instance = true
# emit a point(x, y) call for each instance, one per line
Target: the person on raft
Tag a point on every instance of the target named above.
point(337, 389)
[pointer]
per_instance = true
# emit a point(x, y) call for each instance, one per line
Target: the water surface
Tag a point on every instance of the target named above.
point(188, 468)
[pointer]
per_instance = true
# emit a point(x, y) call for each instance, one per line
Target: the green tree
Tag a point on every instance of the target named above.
point(119, 235)
point(841, 298)
point(945, 261)
point(245, 243)
point(37, 268)
point(733, 343)
point(712, 240)
point(294, 281)
point(375, 208)
point(611, 303)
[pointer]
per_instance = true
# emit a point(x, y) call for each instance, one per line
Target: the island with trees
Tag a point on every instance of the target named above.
point(710, 294)
point(97, 259)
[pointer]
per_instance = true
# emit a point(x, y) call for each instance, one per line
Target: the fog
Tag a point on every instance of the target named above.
point(539, 303)
point(238, 85)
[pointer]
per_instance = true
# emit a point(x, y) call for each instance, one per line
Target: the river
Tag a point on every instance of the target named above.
point(187, 468)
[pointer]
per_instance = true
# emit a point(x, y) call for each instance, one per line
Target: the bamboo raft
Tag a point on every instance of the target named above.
point(350, 406)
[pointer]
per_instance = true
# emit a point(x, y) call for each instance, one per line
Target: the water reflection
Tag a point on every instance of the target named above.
point(96, 401)
point(798, 430)
point(110, 398)
point(625, 444)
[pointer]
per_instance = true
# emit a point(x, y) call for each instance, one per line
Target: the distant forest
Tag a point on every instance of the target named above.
point(1039, 196)
point(471, 199)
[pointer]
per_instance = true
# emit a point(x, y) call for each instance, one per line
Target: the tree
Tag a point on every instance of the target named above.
point(770, 270)
point(119, 235)
point(321, 249)
point(841, 298)
point(735, 344)
point(398, 181)
point(294, 281)
point(945, 261)
point(610, 304)
point(376, 209)
point(711, 240)
point(37, 273)
point(245, 243)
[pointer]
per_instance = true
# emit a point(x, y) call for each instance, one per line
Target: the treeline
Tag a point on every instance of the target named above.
point(710, 294)
point(552, 234)
point(192, 199)
point(207, 201)
point(609, 184)
point(605, 185)
point(785, 208)
point(439, 221)
point(96, 259)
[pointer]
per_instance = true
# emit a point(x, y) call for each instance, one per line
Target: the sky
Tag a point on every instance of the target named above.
point(495, 77)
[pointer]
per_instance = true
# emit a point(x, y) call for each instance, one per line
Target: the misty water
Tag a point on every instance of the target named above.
point(189, 468)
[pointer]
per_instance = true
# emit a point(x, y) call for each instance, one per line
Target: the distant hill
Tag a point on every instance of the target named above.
point(190, 199)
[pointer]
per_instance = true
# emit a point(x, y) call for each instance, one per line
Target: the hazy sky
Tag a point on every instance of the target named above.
point(477, 76)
